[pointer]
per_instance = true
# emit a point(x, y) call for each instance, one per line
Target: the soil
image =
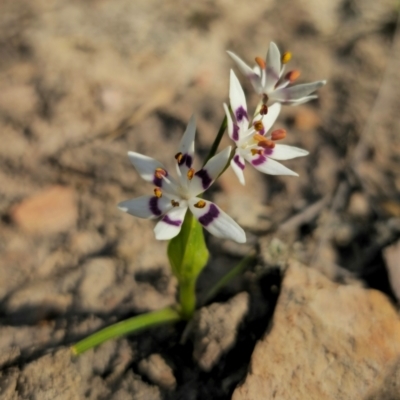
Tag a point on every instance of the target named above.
point(82, 82)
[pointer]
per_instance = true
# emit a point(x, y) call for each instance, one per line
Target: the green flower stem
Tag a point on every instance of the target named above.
point(131, 325)
point(187, 297)
point(238, 269)
point(217, 140)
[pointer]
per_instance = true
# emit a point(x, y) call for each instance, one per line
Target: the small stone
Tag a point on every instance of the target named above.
point(391, 255)
point(343, 234)
point(327, 341)
point(53, 210)
point(358, 205)
point(306, 119)
point(215, 328)
point(98, 276)
point(158, 371)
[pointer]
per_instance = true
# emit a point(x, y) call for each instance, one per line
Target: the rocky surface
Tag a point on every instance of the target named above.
point(327, 341)
point(215, 329)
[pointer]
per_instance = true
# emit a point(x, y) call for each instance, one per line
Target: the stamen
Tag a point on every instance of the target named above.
point(200, 204)
point(256, 151)
point(278, 134)
point(292, 75)
point(157, 192)
point(286, 57)
point(260, 62)
point(264, 109)
point(175, 203)
point(258, 126)
point(190, 173)
point(263, 142)
point(265, 98)
point(159, 173)
point(178, 157)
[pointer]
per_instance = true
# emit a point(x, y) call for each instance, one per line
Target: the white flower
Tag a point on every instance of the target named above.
point(254, 144)
point(268, 78)
point(172, 197)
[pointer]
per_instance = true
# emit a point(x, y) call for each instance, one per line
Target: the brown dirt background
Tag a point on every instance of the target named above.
point(82, 82)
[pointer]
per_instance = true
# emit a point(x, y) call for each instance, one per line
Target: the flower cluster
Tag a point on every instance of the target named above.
point(253, 141)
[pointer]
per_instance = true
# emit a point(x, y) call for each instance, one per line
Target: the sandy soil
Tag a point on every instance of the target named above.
point(82, 82)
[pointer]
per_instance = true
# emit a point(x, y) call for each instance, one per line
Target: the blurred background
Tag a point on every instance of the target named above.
point(82, 82)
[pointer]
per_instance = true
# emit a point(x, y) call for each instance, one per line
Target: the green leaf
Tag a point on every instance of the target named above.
point(129, 326)
point(188, 255)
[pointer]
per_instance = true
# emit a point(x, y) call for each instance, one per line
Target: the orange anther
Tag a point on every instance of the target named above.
point(159, 173)
point(178, 157)
point(260, 62)
point(278, 134)
point(292, 75)
point(259, 138)
point(263, 141)
point(190, 174)
point(175, 203)
point(157, 192)
point(200, 204)
point(256, 151)
point(258, 126)
point(286, 57)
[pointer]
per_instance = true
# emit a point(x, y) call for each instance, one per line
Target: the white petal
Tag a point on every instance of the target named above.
point(146, 166)
point(297, 102)
point(285, 152)
point(233, 129)
point(146, 206)
point(186, 147)
point(273, 66)
point(238, 102)
point(268, 165)
point(253, 74)
point(238, 165)
point(217, 222)
point(296, 92)
point(170, 224)
point(269, 119)
point(205, 177)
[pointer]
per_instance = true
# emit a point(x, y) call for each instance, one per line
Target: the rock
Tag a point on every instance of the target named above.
point(306, 119)
point(51, 211)
point(98, 276)
point(158, 371)
point(391, 255)
point(132, 387)
point(358, 205)
point(215, 329)
point(25, 340)
point(327, 341)
point(8, 384)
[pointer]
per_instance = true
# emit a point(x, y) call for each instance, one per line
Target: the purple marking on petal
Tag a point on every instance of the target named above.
point(189, 160)
point(158, 181)
point(235, 133)
point(259, 160)
point(236, 159)
point(186, 159)
point(170, 221)
point(209, 216)
point(205, 178)
point(268, 152)
point(241, 113)
point(153, 204)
